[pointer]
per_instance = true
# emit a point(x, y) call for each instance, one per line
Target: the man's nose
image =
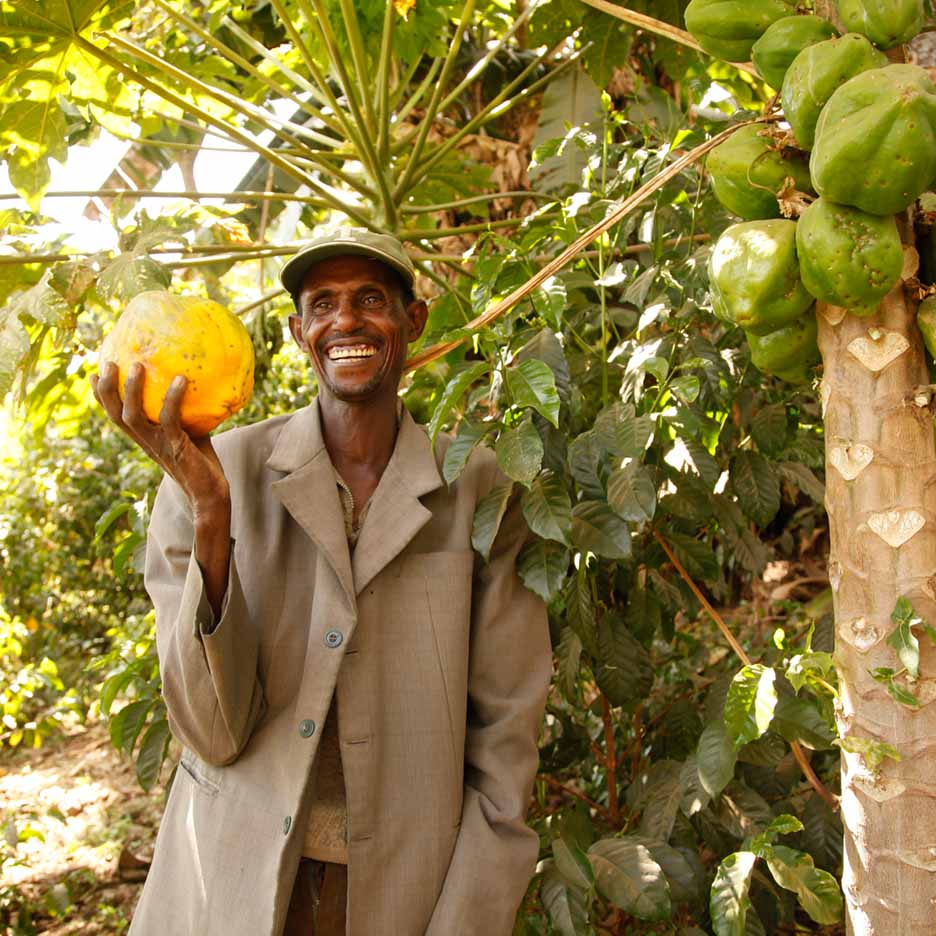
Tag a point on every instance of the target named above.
point(347, 315)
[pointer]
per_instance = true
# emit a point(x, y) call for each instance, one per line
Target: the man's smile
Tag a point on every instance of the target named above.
point(345, 351)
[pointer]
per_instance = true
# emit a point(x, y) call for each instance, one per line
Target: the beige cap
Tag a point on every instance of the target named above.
point(345, 241)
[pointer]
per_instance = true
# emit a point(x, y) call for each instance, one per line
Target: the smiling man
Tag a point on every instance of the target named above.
point(358, 695)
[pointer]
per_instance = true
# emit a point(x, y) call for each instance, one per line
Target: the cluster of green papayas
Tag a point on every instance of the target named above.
point(755, 281)
point(868, 130)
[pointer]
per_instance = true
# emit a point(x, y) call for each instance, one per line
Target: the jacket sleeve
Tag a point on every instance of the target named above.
point(209, 668)
point(509, 671)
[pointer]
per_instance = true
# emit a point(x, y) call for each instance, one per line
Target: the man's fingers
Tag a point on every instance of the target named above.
point(106, 392)
point(170, 418)
point(133, 414)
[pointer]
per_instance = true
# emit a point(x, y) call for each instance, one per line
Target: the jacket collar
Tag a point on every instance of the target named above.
point(309, 492)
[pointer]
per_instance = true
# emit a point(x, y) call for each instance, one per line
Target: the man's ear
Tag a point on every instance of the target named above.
point(417, 312)
point(295, 329)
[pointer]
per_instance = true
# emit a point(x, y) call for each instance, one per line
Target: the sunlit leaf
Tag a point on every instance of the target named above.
point(750, 705)
point(532, 383)
point(729, 903)
point(627, 875)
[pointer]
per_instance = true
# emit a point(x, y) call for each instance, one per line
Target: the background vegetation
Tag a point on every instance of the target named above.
point(676, 491)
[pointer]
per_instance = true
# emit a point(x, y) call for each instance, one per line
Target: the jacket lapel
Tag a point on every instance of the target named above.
point(396, 514)
point(309, 491)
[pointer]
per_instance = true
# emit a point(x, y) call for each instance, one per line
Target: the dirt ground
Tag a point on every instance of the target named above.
point(78, 833)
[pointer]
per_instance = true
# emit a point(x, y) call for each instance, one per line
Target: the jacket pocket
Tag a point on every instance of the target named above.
point(207, 778)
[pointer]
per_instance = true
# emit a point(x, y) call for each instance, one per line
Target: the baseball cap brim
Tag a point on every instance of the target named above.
point(381, 247)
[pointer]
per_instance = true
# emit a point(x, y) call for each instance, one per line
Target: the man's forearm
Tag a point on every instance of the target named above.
point(213, 551)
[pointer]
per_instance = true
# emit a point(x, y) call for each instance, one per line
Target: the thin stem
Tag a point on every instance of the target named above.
point(577, 794)
point(286, 130)
point(245, 64)
point(383, 84)
point(353, 32)
point(713, 614)
point(266, 297)
point(228, 129)
point(427, 82)
point(461, 229)
point(429, 117)
point(300, 81)
point(499, 105)
point(610, 761)
point(364, 122)
point(482, 63)
point(795, 747)
point(347, 127)
point(474, 200)
point(404, 82)
point(602, 289)
point(580, 243)
point(660, 28)
point(233, 196)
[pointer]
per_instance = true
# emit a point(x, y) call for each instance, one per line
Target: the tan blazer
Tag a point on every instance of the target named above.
point(440, 663)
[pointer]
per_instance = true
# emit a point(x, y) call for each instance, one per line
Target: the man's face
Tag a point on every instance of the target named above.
point(354, 325)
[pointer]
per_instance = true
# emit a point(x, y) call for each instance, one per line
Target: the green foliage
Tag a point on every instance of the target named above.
point(621, 413)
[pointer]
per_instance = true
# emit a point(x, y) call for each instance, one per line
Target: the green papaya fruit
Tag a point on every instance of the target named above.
point(926, 319)
point(876, 140)
point(790, 352)
point(754, 276)
point(814, 75)
point(847, 257)
point(747, 173)
point(784, 39)
point(886, 23)
point(728, 28)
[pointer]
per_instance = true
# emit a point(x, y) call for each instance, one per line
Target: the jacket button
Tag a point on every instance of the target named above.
point(287, 823)
point(334, 639)
point(307, 727)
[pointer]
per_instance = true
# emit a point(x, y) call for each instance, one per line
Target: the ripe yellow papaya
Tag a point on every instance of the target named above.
point(186, 335)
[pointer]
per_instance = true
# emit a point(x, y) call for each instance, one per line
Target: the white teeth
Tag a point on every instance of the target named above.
point(350, 351)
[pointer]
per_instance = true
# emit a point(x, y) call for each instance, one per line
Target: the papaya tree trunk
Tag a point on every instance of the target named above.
point(881, 502)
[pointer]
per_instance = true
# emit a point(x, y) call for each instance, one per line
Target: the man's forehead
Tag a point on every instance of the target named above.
point(335, 271)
